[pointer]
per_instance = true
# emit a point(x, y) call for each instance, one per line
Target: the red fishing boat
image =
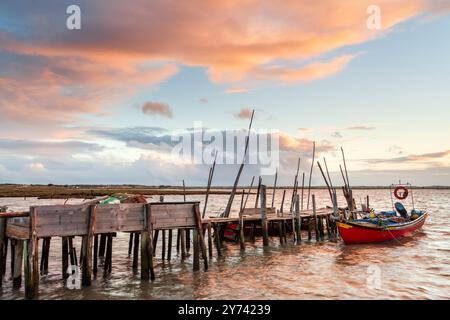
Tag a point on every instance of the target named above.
point(386, 225)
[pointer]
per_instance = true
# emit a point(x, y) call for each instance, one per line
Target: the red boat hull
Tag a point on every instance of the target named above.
point(352, 233)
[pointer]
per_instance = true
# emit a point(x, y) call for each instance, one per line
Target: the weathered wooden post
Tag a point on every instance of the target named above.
point(136, 252)
point(210, 242)
point(315, 217)
point(147, 270)
point(200, 237)
point(130, 244)
point(95, 263)
point(241, 224)
point(31, 254)
point(65, 257)
point(264, 215)
point(169, 246)
point(2, 247)
point(183, 243)
point(86, 271)
point(196, 258)
point(17, 274)
point(298, 219)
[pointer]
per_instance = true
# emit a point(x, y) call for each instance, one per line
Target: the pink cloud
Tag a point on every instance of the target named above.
point(157, 108)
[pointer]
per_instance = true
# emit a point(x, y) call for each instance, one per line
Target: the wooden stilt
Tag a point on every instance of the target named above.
point(280, 231)
point(31, 265)
point(200, 237)
point(130, 244)
point(86, 266)
point(163, 249)
point(178, 240)
point(316, 226)
point(101, 249)
point(2, 248)
point(17, 275)
point(147, 270)
point(210, 244)
point(217, 238)
point(136, 251)
point(155, 241)
point(65, 257)
point(188, 239)
point(107, 267)
point(183, 244)
point(309, 228)
point(196, 257)
point(12, 254)
point(95, 263)
point(169, 245)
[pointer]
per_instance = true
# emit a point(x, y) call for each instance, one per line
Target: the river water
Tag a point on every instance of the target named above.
point(413, 268)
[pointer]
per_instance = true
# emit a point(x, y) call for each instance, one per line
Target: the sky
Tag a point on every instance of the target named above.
point(99, 104)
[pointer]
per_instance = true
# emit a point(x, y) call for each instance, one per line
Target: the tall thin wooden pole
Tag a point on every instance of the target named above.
point(328, 173)
point(345, 166)
point(184, 191)
point(303, 191)
point(248, 193)
point(274, 187)
point(264, 216)
point(257, 193)
point(236, 181)
point(310, 174)
point(326, 182)
point(208, 188)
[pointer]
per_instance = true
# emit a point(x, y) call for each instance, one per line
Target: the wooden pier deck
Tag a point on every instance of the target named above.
point(97, 225)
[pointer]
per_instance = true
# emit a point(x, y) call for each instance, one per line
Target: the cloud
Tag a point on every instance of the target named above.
point(418, 158)
point(360, 128)
point(336, 134)
point(157, 108)
point(244, 113)
point(34, 148)
point(236, 90)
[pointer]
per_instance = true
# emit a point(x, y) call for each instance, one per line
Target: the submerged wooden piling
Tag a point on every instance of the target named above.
point(86, 266)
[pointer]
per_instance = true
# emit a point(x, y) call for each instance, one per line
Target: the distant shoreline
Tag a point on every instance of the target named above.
point(91, 191)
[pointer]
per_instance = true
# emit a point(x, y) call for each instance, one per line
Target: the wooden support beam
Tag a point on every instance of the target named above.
point(163, 248)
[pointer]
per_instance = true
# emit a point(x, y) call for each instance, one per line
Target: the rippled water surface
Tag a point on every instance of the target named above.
point(413, 268)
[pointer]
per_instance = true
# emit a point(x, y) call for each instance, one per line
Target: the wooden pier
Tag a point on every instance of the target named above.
point(97, 225)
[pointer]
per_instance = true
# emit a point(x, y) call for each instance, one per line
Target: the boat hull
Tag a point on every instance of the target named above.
point(353, 233)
